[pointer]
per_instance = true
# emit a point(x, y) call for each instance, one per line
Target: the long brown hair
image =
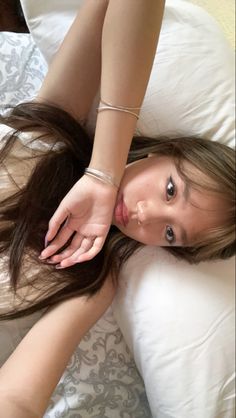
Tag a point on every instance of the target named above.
point(24, 214)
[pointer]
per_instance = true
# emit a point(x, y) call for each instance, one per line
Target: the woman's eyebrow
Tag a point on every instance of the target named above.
point(183, 233)
point(186, 191)
point(183, 236)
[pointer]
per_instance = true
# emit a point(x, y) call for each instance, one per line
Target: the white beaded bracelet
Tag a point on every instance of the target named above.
point(100, 175)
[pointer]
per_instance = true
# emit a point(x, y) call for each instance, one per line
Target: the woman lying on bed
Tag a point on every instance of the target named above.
point(174, 193)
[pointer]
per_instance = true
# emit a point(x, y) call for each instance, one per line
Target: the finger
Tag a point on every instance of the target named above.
point(74, 245)
point(55, 222)
point(57, 243)
point(89, 253)
point(86, 244)
point(92, 252)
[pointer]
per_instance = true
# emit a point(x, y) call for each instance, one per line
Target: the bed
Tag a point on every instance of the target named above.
point(166, 347)
point(101, 379)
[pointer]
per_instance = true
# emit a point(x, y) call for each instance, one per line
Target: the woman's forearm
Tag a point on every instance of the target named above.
point(74, 75)
point(31, 373)
point(129, 40)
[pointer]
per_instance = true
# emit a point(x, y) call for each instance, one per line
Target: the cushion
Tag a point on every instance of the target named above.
point(191, 88)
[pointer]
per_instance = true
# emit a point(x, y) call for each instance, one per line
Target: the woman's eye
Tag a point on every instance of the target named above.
point(170, 189)
point(170, 235)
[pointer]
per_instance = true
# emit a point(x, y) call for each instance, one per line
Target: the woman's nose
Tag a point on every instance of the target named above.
point(148, 212)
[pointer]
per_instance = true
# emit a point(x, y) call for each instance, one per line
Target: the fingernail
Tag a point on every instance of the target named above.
point(58, 267)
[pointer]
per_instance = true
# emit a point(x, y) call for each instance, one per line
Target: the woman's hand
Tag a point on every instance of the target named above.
point(83, 217)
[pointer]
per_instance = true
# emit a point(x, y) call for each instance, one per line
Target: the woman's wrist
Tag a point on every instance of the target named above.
point(113, 136)
point(102, 176)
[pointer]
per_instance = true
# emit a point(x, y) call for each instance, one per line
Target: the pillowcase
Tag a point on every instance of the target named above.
point(178, 320)
point(49, 21)
point(191, 88)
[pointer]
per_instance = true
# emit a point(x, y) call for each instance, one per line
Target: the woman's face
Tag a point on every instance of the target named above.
point(156, 207)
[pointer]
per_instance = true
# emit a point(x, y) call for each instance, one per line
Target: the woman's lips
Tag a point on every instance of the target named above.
point(121, 212)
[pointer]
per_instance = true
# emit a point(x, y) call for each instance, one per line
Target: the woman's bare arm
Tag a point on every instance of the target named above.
point(30, 375)
point(113, 42)
point(129, 40)
point(74, 75)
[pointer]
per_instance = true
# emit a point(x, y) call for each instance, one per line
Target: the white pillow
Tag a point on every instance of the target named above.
point(191, 88)
point(178, 321)
point(49, 21)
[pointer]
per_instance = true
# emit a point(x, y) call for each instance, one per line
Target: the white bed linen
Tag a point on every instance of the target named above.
point(179, 323)
point(101, 379)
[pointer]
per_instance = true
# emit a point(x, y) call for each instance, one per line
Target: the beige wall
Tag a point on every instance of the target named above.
point(224, 13)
